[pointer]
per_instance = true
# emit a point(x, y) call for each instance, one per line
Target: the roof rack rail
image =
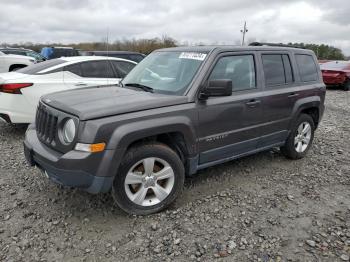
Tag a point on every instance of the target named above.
point(272, 44)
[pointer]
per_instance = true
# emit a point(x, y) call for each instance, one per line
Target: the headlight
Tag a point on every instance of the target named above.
point(69, 131)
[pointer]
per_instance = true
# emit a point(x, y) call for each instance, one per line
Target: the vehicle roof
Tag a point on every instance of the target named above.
point(227, 48)
point(89, 58)
point(116, 52)
point(62, 47)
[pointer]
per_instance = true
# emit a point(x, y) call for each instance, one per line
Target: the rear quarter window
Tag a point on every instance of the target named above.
point(36, 69)
point(307, 68)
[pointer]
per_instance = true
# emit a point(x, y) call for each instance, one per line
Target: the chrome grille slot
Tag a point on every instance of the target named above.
point(46, 124)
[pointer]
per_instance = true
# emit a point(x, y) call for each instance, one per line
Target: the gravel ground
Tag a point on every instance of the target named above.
point(259, 208)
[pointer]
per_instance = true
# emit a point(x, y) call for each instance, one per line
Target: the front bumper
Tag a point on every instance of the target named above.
point(74, 169)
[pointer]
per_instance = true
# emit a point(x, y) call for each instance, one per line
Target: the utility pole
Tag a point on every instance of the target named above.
point(244, 31)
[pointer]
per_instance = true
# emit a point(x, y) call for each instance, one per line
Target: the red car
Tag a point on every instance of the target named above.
point(336, 73)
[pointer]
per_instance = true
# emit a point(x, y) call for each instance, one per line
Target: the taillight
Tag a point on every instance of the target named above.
point(13, 88)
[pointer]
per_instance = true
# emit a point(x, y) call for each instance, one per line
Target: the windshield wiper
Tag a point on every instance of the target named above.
point(143, 87)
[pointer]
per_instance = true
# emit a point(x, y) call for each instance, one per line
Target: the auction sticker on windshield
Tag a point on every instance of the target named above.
point(192, 55)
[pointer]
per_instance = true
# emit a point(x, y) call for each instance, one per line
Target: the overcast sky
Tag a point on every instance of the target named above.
point(188, 21)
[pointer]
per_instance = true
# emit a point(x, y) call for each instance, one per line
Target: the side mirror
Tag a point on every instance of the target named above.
point(219, 87)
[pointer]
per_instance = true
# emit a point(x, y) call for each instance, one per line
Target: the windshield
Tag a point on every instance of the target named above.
point(35, 55)
point(166, 72)
point(35, 69)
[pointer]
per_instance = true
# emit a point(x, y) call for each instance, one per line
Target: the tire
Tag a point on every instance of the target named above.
point(292, 148)
point(145, 170)
point(346, 86)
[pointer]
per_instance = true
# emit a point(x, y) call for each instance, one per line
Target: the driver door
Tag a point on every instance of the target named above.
point(229, 125)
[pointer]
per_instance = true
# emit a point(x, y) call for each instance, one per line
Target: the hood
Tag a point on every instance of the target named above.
point(97, 102)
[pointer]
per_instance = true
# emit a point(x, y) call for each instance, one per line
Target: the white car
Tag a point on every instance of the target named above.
point(20, 91)
point(10, 63)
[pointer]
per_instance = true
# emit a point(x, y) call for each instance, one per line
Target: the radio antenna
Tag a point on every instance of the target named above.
point(244, 31)
point(107, 41)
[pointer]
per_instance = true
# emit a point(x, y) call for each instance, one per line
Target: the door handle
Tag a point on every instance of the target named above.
point(81, 84)
point(293, 95)
point(253, 103)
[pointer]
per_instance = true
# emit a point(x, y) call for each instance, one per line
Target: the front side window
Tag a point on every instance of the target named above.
point(123, 68)
point(75, 69)
point(307, 68)
point(239, 68)
point(97, 69)
point(167, 72)
point(136, 58)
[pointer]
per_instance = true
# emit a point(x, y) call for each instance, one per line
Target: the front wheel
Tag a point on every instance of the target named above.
point(149, 179)
point(300, 138)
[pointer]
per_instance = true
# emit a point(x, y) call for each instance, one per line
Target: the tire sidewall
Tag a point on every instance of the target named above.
point(131, 158)
point(290, 147)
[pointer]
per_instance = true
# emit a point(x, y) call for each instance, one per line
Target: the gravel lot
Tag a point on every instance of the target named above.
point(260, 208)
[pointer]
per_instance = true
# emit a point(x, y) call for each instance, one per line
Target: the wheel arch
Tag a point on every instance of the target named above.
point(176, 132)
point(309, 105)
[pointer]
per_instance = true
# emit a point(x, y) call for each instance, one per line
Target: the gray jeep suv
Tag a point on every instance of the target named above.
point(178, 111)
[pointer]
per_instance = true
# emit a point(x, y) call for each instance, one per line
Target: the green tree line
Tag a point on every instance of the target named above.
point(323, 52)
point(146, 46)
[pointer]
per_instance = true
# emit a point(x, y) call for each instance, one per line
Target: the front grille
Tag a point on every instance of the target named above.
point(46, 124)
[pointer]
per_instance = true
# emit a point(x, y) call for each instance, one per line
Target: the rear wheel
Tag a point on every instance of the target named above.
point(300, 138)
point(149, 179)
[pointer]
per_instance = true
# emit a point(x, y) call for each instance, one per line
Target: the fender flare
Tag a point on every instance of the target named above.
point(125, 135)
point(302, 104)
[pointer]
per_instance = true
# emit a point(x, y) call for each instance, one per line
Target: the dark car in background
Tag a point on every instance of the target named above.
point(57, 52)
point(336, 73)
point(129, 55)
point(24, 52)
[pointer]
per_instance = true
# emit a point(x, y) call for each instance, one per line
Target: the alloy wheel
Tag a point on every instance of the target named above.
point(149, 181)
point(302, 137)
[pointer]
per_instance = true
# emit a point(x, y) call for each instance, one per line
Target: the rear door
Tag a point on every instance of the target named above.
point(281, 92)
point(89, 73)
point(288, 77)
point(230, 126)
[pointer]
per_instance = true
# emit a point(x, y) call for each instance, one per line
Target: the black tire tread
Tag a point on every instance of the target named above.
point(288, 149)
point(134, 153)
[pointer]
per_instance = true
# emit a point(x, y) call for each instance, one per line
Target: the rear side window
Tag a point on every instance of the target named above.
point(123, 68)
point(307, 68)
point(35, 69)
point(97, 69)
point(239, 68)
point(277, 69)
point(75, 69)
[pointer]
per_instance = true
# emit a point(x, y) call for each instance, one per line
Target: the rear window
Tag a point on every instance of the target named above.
point(307, 68)
point(13, 52)
point(35, 69)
